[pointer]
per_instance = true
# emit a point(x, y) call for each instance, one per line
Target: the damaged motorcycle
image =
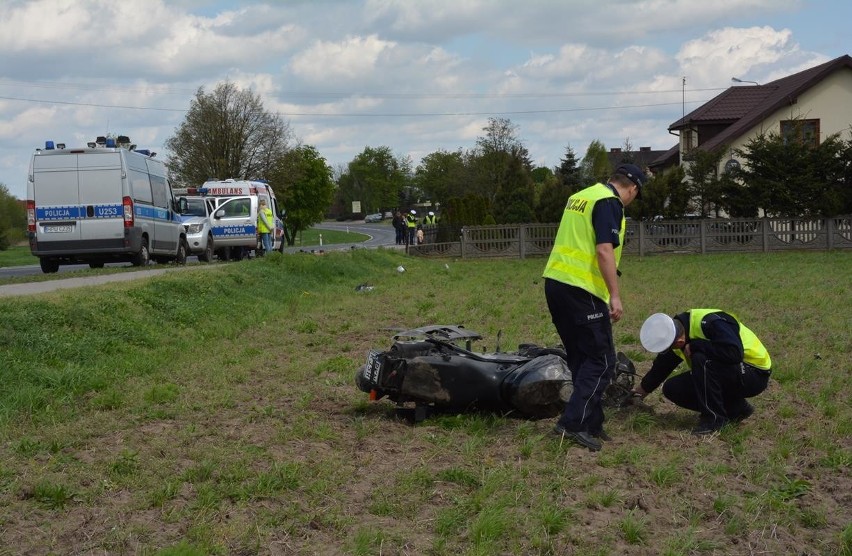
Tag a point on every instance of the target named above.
point(427, 371)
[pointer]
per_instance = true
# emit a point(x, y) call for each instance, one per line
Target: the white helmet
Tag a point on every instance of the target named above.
point(658, 333)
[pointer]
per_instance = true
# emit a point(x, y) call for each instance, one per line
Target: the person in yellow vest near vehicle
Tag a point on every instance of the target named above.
point(581, 288)
point(430, 218)
point(265, 225)
point(727, 364)
point(411, 224)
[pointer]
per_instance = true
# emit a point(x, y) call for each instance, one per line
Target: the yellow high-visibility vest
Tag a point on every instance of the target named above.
point(754, 353)
point(573, 259)
point(261, 227)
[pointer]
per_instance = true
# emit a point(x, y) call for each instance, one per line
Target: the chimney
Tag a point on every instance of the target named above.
point(644, 149)
point(615, 150)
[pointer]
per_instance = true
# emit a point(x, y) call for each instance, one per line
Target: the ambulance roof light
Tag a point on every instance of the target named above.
point(100, 140)
point(48, 145)
point(110, 142)
point(91, 144)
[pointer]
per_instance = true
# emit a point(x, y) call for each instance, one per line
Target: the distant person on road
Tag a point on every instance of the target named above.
point(265, 225)
point(581, 288)
point(727, 364)
point(399, 227)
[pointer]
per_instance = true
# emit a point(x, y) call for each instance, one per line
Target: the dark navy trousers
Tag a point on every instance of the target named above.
point(716, 390)
point(583, 324)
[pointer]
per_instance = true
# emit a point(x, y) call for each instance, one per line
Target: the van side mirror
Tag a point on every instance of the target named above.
point(219, 213)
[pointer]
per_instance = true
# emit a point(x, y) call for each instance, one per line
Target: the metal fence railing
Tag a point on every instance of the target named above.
point(709, 235)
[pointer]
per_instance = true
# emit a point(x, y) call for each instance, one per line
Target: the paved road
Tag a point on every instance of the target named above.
point(381, 235)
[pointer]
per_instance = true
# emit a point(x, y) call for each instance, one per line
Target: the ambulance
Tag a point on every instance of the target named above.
point(101, 203)
point(234, 220)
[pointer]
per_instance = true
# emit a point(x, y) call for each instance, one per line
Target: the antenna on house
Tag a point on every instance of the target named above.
point(683, 99)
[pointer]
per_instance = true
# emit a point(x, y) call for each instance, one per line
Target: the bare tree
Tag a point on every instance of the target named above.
point(227, 134)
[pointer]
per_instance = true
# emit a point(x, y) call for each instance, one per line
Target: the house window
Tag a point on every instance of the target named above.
point(805, 132)
point(688, 142)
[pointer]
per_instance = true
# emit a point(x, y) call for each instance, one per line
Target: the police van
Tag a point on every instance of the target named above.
point(101, 203)
point(234, 219)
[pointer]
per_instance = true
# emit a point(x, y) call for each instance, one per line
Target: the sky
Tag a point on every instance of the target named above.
point(416, 76)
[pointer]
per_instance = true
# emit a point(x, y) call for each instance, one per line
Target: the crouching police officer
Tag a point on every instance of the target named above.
point(727, 363)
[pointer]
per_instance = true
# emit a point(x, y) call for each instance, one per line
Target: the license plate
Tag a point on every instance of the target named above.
point(374, 364)
point(57, 229)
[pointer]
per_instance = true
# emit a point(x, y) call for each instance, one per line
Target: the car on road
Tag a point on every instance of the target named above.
point(195, 215)
point(377, 217)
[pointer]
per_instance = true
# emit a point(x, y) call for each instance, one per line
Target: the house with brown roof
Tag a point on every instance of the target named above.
point(815, 103)
point(642, 158)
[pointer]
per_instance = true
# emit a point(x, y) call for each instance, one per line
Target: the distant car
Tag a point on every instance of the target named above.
point(195, 215)
point(373, 217)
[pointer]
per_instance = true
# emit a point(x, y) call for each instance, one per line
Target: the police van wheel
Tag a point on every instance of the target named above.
point(143, 257)
point(207, 255)
point(183, 248)
point(48, 266)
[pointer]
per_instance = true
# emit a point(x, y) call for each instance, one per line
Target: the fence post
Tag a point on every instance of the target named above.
point(702, 234)
point(765, 235)
point(461, 239)
point(829, 230)
point(522, 236)
point(641, 238)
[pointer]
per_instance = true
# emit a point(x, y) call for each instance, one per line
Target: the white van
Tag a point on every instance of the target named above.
point(234, 219)
point(101, 203)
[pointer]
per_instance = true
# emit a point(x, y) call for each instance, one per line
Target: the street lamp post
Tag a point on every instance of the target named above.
point(738, 80)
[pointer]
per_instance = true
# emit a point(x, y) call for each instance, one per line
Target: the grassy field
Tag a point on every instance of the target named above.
point(214, 412)
point(311, 237)
point(17, 255)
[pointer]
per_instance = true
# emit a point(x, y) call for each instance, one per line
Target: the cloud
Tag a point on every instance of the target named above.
point(351, 59)
point(732, 52)
point(615, 22)
point(416, 76)
point(125, 39)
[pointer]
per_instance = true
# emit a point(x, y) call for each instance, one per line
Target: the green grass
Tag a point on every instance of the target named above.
point(17, 255)
point(213, 411)
point(20, 255)
point(311, 237)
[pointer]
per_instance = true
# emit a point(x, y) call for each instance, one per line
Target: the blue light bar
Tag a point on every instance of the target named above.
point(110, 142)
point(48, 145)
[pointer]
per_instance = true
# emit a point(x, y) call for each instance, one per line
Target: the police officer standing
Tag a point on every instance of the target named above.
point(727, 363)
point(411, 224)
point(265, 225)
point(581, 288)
